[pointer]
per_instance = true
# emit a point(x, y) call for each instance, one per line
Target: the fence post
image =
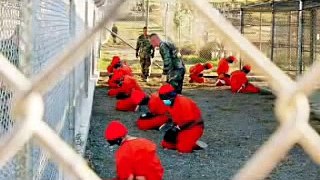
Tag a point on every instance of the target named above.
point(143, 8)
point(72, 75)
point(94, 54)
point(147, 14)
point(289, 40)
point(72, 26)
point(300, 36)
point(166, 22)
point(241, 31)
point(313, 35)
point(272, 31)
point(26, 45)
point(260, 29)
point(26, 41)
point(86, 61)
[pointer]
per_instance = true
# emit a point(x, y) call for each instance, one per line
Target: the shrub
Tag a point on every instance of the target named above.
point(206, 51)
point(193, 59)
point(188, 49)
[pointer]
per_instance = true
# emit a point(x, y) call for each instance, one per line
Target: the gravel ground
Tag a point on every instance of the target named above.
point(233, 132)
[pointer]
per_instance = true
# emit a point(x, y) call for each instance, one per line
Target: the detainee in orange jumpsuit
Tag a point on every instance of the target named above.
point(115, 60)
point(186, 116)
point(118, 80)
point(195, 71)
point(153, 110)
point(223, 69)
point(136, 158)
point(126, 86)
point(119, 69)
point(116, 84)
point(240, 83)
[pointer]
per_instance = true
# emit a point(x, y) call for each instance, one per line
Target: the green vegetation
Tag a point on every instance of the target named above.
point(193, 59)
point(103, 63)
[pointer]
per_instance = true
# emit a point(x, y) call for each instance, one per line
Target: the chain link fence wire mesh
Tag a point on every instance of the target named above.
point(274, 27)
point(10, 13)
point(275, 31)
point(174, 21)
point(54, 24)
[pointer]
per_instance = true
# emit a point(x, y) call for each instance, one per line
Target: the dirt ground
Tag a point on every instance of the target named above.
point(235, 126)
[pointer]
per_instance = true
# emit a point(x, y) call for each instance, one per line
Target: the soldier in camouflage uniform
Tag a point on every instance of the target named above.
point(173, 66)
point(146, 52)
point(115, 31)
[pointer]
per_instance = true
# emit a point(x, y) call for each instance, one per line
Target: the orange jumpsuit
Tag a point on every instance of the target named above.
point(222, 71)
point(158, 114)
point(115, 60)
point(118, 73)
point(138, 157)
point(240, 83)
point(129, 84)
point(110, 69)
point(195, 73)
point(185, 111)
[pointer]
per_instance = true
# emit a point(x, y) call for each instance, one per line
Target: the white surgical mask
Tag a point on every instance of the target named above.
point(167, 102)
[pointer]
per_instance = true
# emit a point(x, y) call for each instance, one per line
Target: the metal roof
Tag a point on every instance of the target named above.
point(282, 5)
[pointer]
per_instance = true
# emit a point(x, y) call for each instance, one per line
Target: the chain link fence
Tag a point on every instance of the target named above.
point(286, 31)
point(9, 42)
point(53, 24)
point(174, 21)
point(276, 36)
point(273, 27)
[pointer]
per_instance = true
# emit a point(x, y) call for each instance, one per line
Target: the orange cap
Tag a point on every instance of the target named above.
point(246, 68)
point(115, 130)
point(208, 65)
point(115, 60)
point(232, 58)
point(165, 89)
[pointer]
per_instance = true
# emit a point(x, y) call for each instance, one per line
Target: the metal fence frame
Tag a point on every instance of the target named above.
point(305, 49)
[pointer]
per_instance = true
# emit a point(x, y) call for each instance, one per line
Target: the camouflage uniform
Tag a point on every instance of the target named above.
point(173, 65)
point(115, 31)
point(146, 52)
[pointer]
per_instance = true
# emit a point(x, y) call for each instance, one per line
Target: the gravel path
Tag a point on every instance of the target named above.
point(233, 132)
